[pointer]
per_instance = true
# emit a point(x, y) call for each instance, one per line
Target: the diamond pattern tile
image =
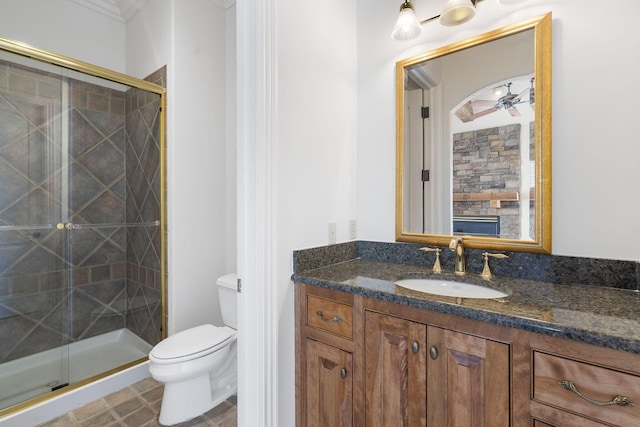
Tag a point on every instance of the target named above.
point(143, 205)
point(111, 172)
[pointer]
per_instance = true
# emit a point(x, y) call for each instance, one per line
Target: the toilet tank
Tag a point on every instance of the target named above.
point(228, 294)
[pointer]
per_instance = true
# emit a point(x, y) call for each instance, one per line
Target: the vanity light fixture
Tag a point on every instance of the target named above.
point(407, 25)
point(455, 12)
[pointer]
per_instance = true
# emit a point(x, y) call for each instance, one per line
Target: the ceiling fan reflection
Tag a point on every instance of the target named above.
point(507, 102)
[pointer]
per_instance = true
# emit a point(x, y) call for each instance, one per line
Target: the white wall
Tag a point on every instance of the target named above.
point(317, 108)
point(231, 143)
point(595, 152)
point(314, 156)
point(197, 209)
point(297, 111)
point(65, 28)
point(149, 41)
point(191, 38)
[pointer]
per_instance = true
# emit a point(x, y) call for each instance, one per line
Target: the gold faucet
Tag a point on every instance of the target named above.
point(460, 265)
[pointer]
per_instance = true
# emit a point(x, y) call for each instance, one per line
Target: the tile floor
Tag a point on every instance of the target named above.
point(139, 406)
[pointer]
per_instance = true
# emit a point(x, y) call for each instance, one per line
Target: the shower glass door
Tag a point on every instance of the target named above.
point(34, 250)
point(81, 223)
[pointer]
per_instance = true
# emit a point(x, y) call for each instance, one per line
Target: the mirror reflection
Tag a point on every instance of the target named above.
point(474, 141)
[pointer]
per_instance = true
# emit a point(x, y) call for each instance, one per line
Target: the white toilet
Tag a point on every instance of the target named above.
point(198, 366)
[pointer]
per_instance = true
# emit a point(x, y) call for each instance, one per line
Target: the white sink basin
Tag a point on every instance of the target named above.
point(450, 288)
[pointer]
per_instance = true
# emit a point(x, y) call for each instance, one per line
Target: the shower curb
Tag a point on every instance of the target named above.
point(67, 402)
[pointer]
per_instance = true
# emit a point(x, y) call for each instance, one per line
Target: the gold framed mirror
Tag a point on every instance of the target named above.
point(473, 141)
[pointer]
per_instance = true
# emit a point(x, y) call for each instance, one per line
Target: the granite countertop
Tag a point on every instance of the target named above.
point(603, 316)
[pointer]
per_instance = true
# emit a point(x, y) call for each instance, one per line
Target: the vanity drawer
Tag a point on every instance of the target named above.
point(329, 315)
point(598, 383)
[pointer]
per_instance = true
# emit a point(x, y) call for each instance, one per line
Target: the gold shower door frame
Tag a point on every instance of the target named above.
point(116, 77)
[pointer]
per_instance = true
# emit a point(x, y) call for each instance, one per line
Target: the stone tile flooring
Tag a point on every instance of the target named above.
point(139, 406)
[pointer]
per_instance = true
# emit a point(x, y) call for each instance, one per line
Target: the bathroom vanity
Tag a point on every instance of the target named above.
point(561, 349)
point(371, 353)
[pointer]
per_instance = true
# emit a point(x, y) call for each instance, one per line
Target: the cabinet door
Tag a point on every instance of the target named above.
point(395, 364)
point(329, 386)
point(468, 380)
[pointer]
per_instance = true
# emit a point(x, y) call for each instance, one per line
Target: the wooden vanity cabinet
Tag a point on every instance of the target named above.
point(325, 325)
point(419, 375)
point(465, 365)
point(411, 367)
point(386, 364)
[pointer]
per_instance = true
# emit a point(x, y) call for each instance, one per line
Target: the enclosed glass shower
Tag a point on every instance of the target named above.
point(82, 240)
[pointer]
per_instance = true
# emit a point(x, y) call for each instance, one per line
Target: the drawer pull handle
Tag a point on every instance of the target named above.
point(333, 319)
point(343, 373)
point(618, 400)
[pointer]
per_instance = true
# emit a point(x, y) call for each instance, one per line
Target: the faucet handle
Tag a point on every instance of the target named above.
point(453, 243)
point(486, 271)
point(489, 254)
point(437, 268)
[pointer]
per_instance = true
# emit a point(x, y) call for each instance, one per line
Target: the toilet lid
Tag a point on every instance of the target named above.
point(192, 341)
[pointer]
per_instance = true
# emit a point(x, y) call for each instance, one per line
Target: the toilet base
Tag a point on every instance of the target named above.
point(185, 400)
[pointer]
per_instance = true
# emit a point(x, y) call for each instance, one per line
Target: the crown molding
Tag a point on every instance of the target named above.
point(123, 10)
point(120, 10)
point(128, 8)
point(225, 4)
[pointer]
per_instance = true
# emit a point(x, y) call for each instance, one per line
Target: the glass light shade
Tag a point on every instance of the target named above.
point(407, 26)
point(457, 12)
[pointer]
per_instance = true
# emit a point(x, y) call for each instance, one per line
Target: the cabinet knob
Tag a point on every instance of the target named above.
point(415, 347)
point(433, 352)
point(343, 373)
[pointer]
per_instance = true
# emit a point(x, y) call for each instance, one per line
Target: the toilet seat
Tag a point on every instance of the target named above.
point(191, 344)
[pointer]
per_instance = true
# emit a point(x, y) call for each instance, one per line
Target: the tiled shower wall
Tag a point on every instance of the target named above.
point(143, 206)
point(97, 196)
point(115, 281)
